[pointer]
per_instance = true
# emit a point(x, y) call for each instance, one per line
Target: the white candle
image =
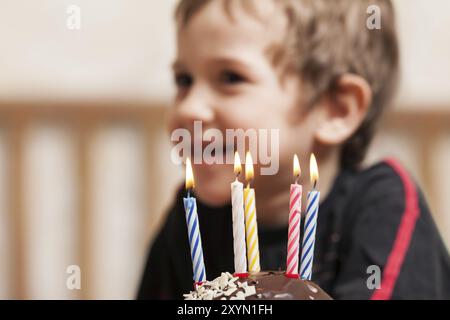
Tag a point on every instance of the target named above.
point(237, 203)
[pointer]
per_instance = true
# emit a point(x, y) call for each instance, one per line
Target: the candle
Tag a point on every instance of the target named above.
point(251, 226)
point(294, 223)
point(237, 203)
point(312, 210)
point(195, 241)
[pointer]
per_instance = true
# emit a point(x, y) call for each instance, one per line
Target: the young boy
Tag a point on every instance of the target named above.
point(313, 70)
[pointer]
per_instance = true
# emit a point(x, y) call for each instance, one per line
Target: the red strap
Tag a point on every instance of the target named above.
point(404, 234)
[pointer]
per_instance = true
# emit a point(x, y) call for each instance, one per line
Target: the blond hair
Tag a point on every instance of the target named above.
point(326, 39)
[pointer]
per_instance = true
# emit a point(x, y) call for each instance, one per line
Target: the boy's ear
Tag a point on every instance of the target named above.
point(341, 114)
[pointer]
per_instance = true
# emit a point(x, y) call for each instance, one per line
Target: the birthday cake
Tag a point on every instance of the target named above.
point(256, 285)
point(265, 285)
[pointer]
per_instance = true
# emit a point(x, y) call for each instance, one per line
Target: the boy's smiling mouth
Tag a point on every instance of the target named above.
point(216, 147)
point(213, 148)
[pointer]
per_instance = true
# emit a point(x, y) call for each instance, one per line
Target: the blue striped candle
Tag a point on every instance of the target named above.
point(309, 237)
point(195, 240)
point(309, 234)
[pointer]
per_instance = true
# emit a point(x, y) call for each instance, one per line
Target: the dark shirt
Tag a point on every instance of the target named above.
point(370, 217)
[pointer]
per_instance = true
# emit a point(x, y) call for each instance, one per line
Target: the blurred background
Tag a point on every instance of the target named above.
point(85, 173)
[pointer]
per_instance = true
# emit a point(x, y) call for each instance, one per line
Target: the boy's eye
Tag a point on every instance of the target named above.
point(183, 80)
point(229, 77)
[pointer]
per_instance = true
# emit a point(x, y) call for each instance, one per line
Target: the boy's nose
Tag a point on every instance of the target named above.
point(195, 107)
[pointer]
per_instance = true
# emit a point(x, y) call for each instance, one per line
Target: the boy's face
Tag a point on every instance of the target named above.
point(226, 80)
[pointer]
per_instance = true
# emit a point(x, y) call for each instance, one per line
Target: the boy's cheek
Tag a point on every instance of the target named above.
point(247, 117)
point(171, 121)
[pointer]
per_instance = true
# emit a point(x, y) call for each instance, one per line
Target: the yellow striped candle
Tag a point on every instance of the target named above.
point(251, 225)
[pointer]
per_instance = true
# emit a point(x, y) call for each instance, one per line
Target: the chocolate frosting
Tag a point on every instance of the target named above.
point(274, 285)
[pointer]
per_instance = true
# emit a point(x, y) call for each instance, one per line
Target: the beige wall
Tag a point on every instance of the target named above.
point(122, 51)
point(423, 30)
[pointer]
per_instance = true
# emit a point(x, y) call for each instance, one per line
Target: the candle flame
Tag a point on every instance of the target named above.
point(237, 164)
point(297, 170)
point(248, 167)
point(314, 171)
point(190, 184)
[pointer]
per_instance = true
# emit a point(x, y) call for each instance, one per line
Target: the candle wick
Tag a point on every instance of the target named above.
point(315, 184)
point(189, 193)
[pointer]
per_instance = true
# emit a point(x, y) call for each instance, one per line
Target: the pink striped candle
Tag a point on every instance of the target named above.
point(295, 204)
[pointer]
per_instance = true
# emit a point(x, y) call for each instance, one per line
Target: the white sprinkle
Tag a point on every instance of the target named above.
point(208, 296)
point(239, 296)
point(249, 291)
point(313, 289)
point(229, 292)
point(282, 296)
point(223, 281)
